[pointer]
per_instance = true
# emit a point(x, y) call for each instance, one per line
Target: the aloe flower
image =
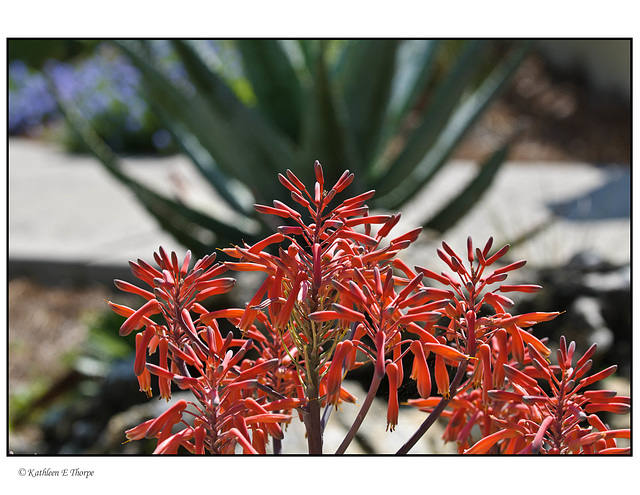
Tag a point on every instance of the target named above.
point(306, 321)
point(330, 261)
point(558, 416)
point(495, 402)
point(231, 407)
point(335, 296)
point(482, 341)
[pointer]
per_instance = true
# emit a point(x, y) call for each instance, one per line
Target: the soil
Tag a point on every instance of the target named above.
point(47, 325)
point(47, 328)
point(558, 118)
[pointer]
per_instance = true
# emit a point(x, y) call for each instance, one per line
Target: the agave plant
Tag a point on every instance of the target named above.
point(389, 110)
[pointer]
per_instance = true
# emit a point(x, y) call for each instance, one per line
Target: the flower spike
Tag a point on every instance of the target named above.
point(334, 295)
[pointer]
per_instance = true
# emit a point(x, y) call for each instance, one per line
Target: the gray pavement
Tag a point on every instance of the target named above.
point(68, 216)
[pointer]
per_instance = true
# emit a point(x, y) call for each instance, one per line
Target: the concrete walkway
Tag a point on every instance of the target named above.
point(68, 216)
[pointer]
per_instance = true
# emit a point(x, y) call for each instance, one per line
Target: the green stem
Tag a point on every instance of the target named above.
point(373, 388)
point(435, 414)
point(312, 417)
point(312, 420)
point(277, 446)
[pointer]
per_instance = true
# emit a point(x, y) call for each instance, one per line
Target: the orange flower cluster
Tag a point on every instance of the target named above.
point(197, 357)
point(547, 418)
point(501, 397)
point(326, 271)
point(334, 296)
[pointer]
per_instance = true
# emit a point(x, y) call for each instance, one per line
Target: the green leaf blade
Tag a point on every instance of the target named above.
point(426, 134)
point(275, 83)
point(365, 83)
point(327, 136)
point(455, 129)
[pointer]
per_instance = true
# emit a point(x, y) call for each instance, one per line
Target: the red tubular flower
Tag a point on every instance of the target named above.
point(159, 423)
point(393, 406)
point(487, 376)
point(199, 437)
point(135, 320)
point(499, 254)
point(138, 432)
point(335, 373)
point(380, 352)
point(499, 302)
point(504, 396)
point(420, 371)
point(259, 441)
point(144, 380)
point(171, 444)
point(210, 288)
point(425, 317)
point(164, 384)
point(243, 441)
point(536, 445)
point(500, 343)
point(142, 342)
point(521, 379)
point(528, 319)
point(520, 288)
point(510, 267)
point(337, 313)
point(601, 375)
point(517, 343)
point(433, 275)
point(446, 352)
point(612, 407)
point(442, 377)
point(484, 445)
point(127, 287)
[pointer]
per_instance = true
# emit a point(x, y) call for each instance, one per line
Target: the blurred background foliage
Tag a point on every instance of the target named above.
point(391, 111)
point(99, 80)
